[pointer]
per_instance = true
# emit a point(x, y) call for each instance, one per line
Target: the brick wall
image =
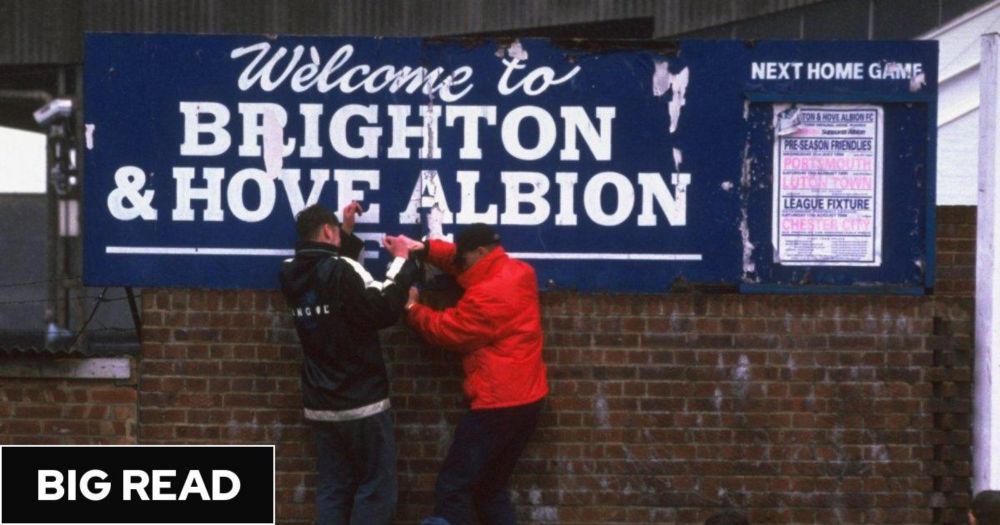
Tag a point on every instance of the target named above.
point(664, 408)
point(67, 411)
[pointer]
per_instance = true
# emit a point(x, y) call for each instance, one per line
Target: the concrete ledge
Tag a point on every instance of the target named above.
point(67, 368)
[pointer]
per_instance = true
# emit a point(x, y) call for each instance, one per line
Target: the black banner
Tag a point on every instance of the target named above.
point(137, 484)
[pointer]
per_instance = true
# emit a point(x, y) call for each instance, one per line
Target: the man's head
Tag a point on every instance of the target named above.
point(473, 243)
point(985, 508)
point(318, 223)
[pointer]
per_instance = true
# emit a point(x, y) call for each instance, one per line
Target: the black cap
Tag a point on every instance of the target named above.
point(474, 236)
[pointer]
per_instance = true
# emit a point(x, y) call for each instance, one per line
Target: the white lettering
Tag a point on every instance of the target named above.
point(194, 128)
point(369, 134)
point(212, 194)
point(50, 486)
point(235, 195)
point(134, 481)
point(575, 120)
point(539, 185)
point(217, 477)
point(674, 207)
point(594, 190)
point(470, 116)
point(511, 128)
point(467, 207)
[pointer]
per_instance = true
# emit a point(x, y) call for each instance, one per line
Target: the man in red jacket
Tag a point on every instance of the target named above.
point(496, 328)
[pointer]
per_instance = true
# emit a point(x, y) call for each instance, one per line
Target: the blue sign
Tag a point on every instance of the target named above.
point(608, 168)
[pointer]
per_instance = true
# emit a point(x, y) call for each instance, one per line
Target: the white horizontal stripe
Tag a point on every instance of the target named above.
point(609, 256)
point(348, 415)
point(166, 250)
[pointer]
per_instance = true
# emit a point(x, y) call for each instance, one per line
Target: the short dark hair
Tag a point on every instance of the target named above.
point(986, 507)
point(728, 517)
point(312, 218)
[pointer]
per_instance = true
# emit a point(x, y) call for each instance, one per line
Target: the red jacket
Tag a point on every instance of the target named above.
point(496, 325)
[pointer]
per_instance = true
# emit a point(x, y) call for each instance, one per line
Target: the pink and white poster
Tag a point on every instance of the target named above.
point(828, 185)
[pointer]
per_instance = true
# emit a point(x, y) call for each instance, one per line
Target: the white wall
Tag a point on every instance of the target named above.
point(22, 161)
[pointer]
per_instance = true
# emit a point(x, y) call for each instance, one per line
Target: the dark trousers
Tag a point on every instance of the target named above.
point(357, 471)
point(475, 474)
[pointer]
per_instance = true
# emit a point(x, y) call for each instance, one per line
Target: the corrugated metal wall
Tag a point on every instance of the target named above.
point(49, 31)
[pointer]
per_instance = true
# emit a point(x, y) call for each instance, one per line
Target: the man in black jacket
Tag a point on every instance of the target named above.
point(338, 309)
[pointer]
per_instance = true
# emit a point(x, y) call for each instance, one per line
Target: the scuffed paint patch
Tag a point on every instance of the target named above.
point(601, 412)
point(879, 453)
point(299, 496)
point(742, 372)
point(661, 79)
point(917, 83)
point(727, 185)
point(274, 144)
point(749, 268)
point(678, 158)
point(547, 513)
point(435, 223)
point(427, 151)
point(678, 84)
point(89, 135)
point(516, 51)
point(741, 375)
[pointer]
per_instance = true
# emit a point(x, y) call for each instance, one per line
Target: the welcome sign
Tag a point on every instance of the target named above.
point(611, 167)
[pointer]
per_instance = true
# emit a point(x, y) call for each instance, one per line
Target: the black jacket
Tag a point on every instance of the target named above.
point(338, 310)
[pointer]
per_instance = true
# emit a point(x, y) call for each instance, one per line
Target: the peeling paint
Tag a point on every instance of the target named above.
point(299, 496)
point(516, 51)
point(274, 144)
point(727, 185)
point(741, 374)
point(664, 80)
point(545, 514)
point(535, 495)
point(661, 79)
point(917, 83)
point(678, 85)
point(89, 135)
point(601, 412)
point(749, 268)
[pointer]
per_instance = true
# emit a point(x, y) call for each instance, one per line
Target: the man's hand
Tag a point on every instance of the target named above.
point(414, 297)
point(350, 214)
point(395, 246)
point(413, 245)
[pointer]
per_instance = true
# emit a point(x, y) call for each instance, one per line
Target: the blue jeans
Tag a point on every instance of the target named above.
point(473, 482)
point(357, 471)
